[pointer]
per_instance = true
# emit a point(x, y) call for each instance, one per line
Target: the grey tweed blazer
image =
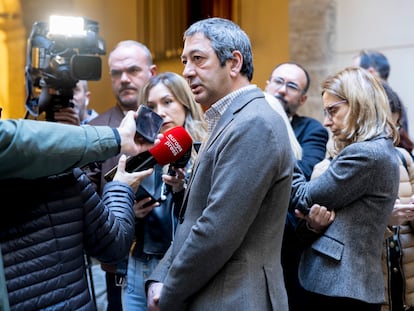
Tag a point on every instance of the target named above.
point(361, 185)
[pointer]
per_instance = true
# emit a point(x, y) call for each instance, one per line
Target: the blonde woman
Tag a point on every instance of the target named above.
point(340, 267)
point(169, 95)
point(398, 255)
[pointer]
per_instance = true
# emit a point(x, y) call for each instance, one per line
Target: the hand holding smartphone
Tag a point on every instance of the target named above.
point(148, 123)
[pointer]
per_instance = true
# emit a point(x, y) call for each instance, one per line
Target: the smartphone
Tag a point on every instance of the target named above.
point(142, 194)
point(148, 123)
point(150, 187)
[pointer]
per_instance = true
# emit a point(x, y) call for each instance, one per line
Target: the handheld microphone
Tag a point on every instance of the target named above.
point(175, 143)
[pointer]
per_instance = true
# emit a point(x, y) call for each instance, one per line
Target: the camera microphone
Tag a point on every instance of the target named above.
point(174, 145)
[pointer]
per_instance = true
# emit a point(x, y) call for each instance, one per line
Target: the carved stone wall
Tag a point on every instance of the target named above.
point(312, 37)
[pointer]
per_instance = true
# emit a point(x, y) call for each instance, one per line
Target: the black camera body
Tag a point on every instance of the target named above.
point(58, 60)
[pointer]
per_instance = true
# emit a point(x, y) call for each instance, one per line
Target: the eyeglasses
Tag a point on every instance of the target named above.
point(329, 112)
point(291, 87)
point(130, 71)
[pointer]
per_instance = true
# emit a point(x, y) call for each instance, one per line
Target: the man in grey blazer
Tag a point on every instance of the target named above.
point(226, 250)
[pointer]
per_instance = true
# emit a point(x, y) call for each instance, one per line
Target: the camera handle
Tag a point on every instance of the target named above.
point(57, 102)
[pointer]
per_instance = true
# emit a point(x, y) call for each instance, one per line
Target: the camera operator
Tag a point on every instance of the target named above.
point(76, 110)
point(67, 115)
point(81, 97)
point(77, 113)
point(57, 59)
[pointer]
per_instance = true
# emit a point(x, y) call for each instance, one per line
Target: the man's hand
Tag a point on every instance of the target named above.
point(131, 144)
point(177, 182)
point(401, 213)
point(153, 296)
point(140, 210)
point(132, 179)
point(67, 115)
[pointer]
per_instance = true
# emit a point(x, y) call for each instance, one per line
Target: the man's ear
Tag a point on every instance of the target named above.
point(303, 99)
point(236, 62)
point(373, 71)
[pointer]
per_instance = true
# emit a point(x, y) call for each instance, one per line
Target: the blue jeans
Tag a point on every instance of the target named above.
point(134, 292)
point(99, 284)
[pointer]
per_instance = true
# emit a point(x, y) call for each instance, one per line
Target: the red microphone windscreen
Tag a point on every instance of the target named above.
point(175, 143)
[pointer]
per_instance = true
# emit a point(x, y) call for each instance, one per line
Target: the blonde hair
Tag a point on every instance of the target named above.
point(369, 113)
point(194, 123)
point(294, 144)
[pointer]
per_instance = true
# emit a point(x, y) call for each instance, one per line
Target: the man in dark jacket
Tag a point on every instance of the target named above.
point(75, 146)
point(130, 65)
point(289, 82)
point(59, 218)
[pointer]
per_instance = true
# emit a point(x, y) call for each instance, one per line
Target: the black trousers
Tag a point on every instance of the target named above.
point(291, 251)
point(113, 292)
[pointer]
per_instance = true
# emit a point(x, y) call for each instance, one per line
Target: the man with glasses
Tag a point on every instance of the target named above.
point(130, 67)
point(289, 83)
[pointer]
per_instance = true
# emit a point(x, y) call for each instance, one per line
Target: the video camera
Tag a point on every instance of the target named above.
point(59, 54)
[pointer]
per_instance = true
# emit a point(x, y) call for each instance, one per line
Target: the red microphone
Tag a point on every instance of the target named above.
point(175, 143)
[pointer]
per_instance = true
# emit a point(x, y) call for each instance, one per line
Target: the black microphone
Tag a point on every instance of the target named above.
point(174, 145)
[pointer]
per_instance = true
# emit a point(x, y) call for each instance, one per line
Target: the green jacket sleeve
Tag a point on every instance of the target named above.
point(33, 149)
